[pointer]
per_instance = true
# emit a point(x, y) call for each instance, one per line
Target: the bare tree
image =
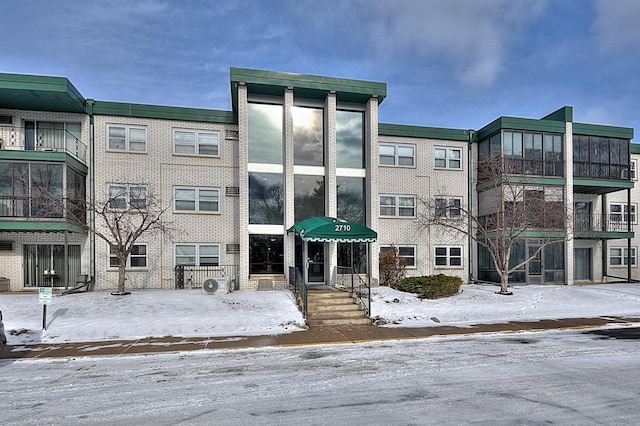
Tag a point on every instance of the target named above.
point(122, 216)
point(392, 266)
point(509, 206)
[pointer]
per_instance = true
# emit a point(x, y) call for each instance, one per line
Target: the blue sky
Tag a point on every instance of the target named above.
point(447, 63)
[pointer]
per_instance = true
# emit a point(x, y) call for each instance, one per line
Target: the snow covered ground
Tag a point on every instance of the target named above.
point(98, 315)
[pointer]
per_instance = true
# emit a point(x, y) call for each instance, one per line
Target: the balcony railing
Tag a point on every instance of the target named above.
point(601, 223)
point(521, 166)
point(16, 138)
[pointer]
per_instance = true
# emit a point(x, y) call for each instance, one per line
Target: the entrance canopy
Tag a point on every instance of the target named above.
point(327, 229)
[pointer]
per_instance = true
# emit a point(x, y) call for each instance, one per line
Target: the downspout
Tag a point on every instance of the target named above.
point(92, 193)
point(605, 245)
point(470, 134)
point(629, 233)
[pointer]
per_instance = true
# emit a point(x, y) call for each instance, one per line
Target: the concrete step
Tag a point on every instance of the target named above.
point(340, 307)
point(339, 322)
point(335, 314)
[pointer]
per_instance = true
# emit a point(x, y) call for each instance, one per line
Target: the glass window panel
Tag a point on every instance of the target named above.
point(266, 254)
point(387, 154)
point(351, 199)
point(308, 196)
point(308, 136)
point(265, 133)
point(266, 198)
point(350, 139)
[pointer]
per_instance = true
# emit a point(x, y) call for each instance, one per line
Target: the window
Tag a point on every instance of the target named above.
point(632, 169)
point(200, 200)
point(448, 158)
point(127, 138)
point(618, 212)
point(619, 256)
point(406, 252)
point(197, 255)
point(448, 256)
point(397, 155)
point(137, 258)
point(127, 197)
point(448, 207)
point(398, 205)
point(196, 142)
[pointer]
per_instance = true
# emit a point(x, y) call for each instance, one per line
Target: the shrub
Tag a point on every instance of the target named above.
point(430, 287)
point(392, 266)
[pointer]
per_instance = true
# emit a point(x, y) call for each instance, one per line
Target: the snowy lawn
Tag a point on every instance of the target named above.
point(98, 315)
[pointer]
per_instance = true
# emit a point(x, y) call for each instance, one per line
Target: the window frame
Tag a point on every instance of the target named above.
point(449, 208)
point(622, 214)
point(397, 206)
point(396, 155)
point(128, 190)
point(145, 256)
point(414, 257)
point(196, 200)
point(633, 167)
point(196, 142)
point(623, 257)
point(127, 138)
point(447, 158)
point(197, 255)
point(448, 257)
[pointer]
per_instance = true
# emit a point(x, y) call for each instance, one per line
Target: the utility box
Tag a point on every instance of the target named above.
point(4, 284)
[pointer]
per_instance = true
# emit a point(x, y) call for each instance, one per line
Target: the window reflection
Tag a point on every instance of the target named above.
point(266, 254)
point(308, 136)
point(265, 133)
point(265, 198)
point(309, 196)
point(350, 139)
point(351, 204)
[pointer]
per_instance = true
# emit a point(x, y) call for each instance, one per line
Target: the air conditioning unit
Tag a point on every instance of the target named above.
point(213, 285)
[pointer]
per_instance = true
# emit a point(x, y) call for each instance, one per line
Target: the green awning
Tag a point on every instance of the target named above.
point(327, 229)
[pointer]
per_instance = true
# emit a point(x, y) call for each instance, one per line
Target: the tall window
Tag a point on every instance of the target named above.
point(127, 197)
point(137, 258)
point(200, 200)
point(448, 158)
point(349, 139)
point(196, 142)
point(308, 196)
point(197, 255)
point(448, 256)
point(266, 254)
point(266, 198)
point(399, 155)
point(308, 136)
point(398, 205)
point(265, 133)
point(351, 199)
point(127, 138)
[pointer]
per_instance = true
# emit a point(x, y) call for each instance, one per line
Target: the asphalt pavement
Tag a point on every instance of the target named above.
point(312, 336)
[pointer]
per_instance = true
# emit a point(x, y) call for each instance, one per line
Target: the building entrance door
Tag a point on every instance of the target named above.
point(315, 262)
point(582, 264)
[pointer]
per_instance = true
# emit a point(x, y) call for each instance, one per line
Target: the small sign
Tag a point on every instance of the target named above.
point(45, 295)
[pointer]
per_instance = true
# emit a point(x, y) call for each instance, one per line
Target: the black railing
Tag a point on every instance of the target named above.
point(193, 276)
point(15, 138)
point(347, 278)
point(298, 286)
point(601, 223)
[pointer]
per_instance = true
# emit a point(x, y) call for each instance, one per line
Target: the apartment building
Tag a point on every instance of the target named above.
point(298, 175)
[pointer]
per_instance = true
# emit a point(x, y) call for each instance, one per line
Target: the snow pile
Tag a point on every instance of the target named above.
point(97, 315)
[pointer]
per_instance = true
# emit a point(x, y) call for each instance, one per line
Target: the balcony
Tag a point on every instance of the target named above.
point(601, 171)
point(46, 140)
point(602, 226)
point(39, 214)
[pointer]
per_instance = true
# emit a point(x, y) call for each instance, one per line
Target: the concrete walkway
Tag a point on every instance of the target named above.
point(313, 336)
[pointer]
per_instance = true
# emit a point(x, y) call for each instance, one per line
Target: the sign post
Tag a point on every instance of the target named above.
point(45, 298)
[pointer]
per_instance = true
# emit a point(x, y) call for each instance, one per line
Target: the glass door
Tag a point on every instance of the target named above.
point(582, 264)
point(315, 262)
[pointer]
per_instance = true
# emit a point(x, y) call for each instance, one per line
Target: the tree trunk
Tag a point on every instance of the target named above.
point(504, 284)
point(121, 276)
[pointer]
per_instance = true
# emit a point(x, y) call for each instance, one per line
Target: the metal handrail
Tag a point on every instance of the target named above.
point(356, 285)
point(297, 284)
point(13, 138)
point(193, 276)
point(601, 223)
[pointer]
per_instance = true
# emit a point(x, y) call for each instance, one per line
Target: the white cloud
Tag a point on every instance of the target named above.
point(616, 25)
point(472, 37)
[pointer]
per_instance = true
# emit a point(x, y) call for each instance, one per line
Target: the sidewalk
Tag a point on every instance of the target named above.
point(313, 336)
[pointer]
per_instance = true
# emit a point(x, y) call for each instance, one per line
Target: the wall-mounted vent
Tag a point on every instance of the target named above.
point(233, 135)
point(233, 248)
point(6, 120)
point(6, 245)
point(232, 191)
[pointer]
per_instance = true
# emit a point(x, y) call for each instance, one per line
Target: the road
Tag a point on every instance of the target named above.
point(569, 377)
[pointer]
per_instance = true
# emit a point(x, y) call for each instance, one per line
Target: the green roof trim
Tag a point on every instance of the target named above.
point(39, 93)
point(564, 114)
point(48, 156)
point(124, 109)
point(304, 85)
point(601, 130)
point(385, 129)
point(515, 123)
point(635, 148)
point(39, 226)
